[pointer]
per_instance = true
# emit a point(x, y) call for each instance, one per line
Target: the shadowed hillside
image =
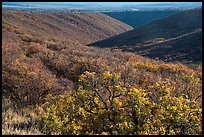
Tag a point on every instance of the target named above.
point(167, 29)
point(187, 48)
point(73, 28)
point(139, 18)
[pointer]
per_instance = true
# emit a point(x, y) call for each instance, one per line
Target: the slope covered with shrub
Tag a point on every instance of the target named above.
point(88, 90)
point(72, 27)
point(87, 80)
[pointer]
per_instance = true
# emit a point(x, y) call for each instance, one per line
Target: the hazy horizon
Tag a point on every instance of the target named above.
point(106, 3)
point(96, 5)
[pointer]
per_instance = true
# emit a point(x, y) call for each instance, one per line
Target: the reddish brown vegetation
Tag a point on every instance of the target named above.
point(73, 28)
point(34, 67)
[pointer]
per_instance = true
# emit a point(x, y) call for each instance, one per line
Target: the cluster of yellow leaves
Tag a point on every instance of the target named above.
point(103, 106)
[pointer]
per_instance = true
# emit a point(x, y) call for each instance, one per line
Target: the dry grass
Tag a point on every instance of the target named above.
point(17, 122)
